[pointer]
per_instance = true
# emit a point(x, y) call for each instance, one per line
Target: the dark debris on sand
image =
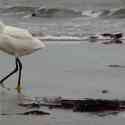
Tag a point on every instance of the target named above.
point(35, 112)
point(113, 38)
point(92, 105)
point(116, 66)
point(30, 112)
point(82, 105)
point(113, 41)
point(104, 91)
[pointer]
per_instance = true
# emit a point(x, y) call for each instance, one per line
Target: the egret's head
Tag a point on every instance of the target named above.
point(2, 25)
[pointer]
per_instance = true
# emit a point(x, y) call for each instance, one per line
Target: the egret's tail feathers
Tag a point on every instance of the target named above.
point(38, 44)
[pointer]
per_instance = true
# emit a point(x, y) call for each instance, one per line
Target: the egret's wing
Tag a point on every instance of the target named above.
point(17, 32)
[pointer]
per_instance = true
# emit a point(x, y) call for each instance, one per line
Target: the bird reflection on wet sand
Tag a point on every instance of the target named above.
point(10, 104)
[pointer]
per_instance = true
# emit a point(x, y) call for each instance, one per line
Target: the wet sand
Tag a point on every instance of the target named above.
point(67, 70)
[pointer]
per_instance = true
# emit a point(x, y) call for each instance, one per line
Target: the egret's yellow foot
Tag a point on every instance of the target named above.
point(18, 88)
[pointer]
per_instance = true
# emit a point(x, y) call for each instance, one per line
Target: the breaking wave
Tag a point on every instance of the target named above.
point(90, 38)
point(118, 13)
point(62, 38)
point(62, 12)
point(17, 10)
point(40, 12)
point(57, 12)
point(106, 13)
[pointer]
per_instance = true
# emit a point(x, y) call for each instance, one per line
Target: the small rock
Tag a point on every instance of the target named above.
point(104, 91)
point(33, 14)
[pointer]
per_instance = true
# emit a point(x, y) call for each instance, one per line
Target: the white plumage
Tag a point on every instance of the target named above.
point(17, 42)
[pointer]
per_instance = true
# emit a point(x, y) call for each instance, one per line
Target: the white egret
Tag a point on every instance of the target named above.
point(17, 42)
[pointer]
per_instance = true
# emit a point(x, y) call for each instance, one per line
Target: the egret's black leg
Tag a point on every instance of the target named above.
point(14, 71)
point(20, 74)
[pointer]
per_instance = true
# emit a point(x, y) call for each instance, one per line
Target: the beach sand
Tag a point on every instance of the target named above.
point(71, 70)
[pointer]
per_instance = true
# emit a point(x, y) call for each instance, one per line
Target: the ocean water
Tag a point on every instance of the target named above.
point(70, 66)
